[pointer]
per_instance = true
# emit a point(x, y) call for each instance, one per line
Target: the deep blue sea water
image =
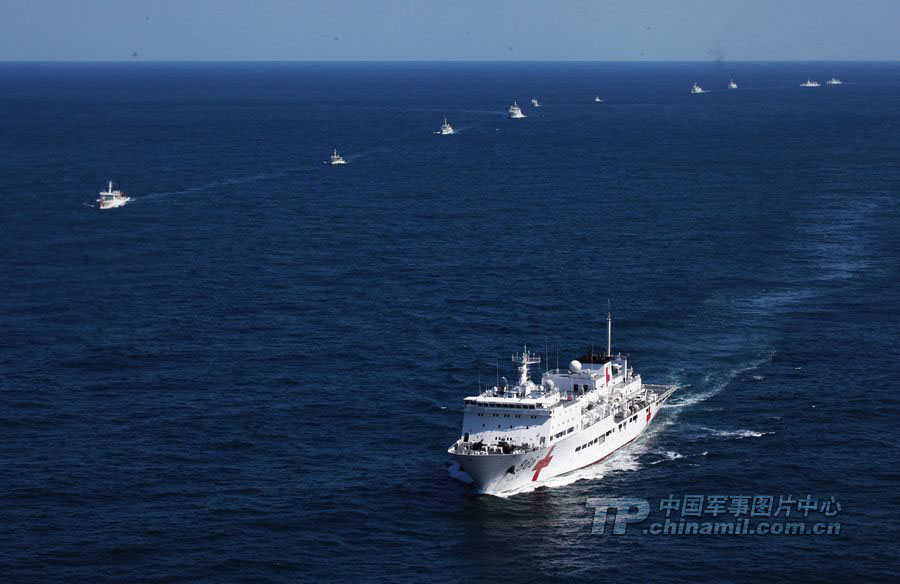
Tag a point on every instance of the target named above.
point(253, 371)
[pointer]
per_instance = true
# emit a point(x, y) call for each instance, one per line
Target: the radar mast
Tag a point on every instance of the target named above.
point(523, 360)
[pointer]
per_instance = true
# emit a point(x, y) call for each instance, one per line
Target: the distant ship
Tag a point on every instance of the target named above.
point(535, 102)
point(597, 99)
point(110, 199)
point(522, 435)
point(336, 159)
point(697, 89)
point(732, 84)
point(515, 112)
point(446, 128)
point(810, 83)
point(834, 81)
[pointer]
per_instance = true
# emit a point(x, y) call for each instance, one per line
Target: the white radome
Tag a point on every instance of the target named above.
point(574, 365)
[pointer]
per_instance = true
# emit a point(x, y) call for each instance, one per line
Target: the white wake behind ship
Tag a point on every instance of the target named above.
point(446, 128)
point(834, 81)
point(810, 83)
point(110, 199)
point(515, 112)
point(520, 436)
point(697, 89)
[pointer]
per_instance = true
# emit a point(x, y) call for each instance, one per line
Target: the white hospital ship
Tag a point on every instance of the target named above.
point(517, 436)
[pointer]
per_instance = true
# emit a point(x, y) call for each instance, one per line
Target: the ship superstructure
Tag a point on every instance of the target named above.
point(514, 436)
point(112, 198)
point(515, 112)
point(336, 159)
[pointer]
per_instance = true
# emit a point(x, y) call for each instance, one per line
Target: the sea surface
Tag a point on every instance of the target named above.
point(253, 371)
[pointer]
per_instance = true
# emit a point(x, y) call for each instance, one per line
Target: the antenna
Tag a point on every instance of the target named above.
point(498, 371)
point(547, 353)
point(557, 355)
point(608, 329)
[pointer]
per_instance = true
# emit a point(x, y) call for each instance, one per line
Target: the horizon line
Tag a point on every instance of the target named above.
point(493, 61)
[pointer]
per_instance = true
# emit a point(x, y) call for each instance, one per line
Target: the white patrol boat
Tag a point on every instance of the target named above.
point(515, 112)
point(446, 128)
point(597, 99)
point(810, 83)
point(336, 159)
point(834, 81)
point(697, 89)
point(732, 84)
point(535, 102)
point(110, 199)
point(517, 436)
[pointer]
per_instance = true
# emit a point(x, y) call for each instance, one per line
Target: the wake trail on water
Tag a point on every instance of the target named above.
point(456, 472)
point(717, 382)
point(211, 186)
point(670, 455)
point(696, 432)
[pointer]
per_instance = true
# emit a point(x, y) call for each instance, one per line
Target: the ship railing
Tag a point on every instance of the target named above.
point(486, 449)
point(655, 391)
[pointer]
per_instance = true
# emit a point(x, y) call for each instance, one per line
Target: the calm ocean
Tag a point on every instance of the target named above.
point(252, 372)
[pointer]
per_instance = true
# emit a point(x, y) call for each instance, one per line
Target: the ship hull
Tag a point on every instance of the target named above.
point(508, 473)
point(103, 205)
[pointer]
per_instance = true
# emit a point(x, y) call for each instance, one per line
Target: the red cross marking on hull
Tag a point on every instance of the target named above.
point(543, 463)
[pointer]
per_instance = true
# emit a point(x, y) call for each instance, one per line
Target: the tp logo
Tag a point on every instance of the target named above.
point(627, 511)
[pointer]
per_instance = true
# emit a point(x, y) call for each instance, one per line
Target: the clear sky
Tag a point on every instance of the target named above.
point(449, 30)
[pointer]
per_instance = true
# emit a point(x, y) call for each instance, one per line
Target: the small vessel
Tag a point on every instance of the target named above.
point(520, 436)
point(810, 83)
point(515, 112)
point(336, 159)
point(110, 199)
point(834, 81)
point(732, 84)
point(535, 102)
point(446, 128)
point(597, 99)
point(697, 89)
